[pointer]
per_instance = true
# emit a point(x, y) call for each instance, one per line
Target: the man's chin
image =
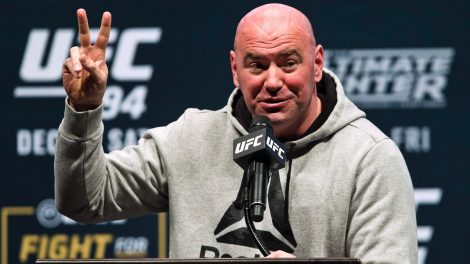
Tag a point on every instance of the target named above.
point(280, 124)
point(274, 117)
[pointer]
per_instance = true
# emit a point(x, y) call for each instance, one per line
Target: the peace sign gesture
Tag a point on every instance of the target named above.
point(85, 72)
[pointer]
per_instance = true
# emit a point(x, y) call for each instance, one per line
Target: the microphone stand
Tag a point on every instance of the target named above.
point(248, 220)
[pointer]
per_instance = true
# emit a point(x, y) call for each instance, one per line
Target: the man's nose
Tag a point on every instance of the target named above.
point(273, 81)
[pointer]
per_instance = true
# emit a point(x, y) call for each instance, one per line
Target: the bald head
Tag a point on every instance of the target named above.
point(271, 20)
point(276, 65)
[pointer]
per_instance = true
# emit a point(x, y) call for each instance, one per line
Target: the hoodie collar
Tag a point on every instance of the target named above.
point(337, 112)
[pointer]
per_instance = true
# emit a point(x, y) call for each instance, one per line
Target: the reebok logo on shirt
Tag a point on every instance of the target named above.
point(232, 230)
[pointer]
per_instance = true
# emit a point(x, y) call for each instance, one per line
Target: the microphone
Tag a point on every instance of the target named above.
point(257, 153)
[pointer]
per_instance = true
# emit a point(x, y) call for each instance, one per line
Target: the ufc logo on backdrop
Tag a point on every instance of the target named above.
point(41, 67)
point(123, 52)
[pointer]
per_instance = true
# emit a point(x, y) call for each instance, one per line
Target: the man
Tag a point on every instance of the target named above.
point(345, 191)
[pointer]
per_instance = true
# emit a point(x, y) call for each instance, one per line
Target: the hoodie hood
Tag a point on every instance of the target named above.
point(343, 113)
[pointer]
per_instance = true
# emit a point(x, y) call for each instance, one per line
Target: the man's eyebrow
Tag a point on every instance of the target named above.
point(289, 52)
point(284, 53)
point(251, 56)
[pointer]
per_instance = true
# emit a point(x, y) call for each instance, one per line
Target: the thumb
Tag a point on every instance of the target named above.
point(92, 68)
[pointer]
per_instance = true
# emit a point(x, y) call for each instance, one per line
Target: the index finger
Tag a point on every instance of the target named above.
point(103, 36)
point(83, 28)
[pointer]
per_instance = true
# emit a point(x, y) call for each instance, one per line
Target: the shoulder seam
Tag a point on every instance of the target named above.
point(375, 139)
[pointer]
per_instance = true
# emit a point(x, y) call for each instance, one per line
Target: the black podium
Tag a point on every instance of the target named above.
point(203, 260)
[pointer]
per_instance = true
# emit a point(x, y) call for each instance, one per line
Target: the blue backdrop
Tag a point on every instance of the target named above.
point(403, 62)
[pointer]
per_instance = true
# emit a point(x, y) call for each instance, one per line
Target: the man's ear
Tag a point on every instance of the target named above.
point(233, 66)
point(318, 63)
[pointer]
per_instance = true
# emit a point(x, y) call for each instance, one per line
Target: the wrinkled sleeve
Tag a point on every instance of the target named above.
point(91, 186)
point(382, 219)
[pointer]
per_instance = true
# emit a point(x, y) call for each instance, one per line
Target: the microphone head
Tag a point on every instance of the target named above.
point(259, 144)
point(260, 122)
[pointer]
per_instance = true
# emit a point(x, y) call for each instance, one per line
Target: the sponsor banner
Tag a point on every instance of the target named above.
point(393, 78)
point(39, 232)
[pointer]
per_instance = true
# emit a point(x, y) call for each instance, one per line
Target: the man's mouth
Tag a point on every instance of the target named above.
point(273, 104)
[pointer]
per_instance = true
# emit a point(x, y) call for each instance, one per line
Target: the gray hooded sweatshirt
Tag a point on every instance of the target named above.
point(345, 192)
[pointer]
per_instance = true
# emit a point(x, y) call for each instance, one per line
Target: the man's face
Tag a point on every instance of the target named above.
point(276, 72)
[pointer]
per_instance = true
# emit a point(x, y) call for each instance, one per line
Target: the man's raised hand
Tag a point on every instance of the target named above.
point(85, 72)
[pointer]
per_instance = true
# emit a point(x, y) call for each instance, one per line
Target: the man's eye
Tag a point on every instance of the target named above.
point(256, 66)
point(290, 64)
